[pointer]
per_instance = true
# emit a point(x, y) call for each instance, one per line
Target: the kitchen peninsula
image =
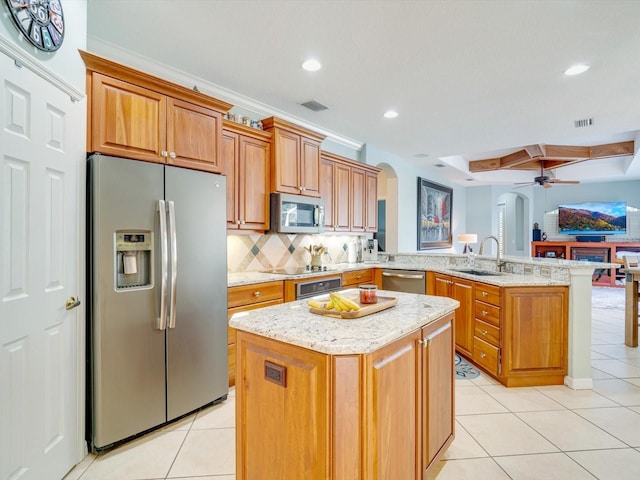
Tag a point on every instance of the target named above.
point(329, 398)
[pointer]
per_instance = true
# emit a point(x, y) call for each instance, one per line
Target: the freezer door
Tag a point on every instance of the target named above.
point(127, 351)
point(197, 334)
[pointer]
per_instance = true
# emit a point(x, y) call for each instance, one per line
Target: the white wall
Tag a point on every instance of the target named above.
point(481, 203)
point(408, 200)
point(66, 61)
point(547, 199)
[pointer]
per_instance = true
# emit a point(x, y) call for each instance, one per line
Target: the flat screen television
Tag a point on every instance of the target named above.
point(593, 218)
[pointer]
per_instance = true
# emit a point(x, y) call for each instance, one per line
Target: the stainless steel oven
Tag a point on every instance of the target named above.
point(312, 287)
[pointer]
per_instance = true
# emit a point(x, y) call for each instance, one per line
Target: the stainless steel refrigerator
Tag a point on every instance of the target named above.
point(157, 275)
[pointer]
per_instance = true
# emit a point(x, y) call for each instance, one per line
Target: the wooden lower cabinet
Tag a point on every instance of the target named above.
point(355, 278)
point(462, 290)
point(535, 336)
point(304, 414)
point(438, 405)
point(518, 335)
point(248, 297)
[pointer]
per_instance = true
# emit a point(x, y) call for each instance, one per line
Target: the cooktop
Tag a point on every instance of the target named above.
point(296, 270)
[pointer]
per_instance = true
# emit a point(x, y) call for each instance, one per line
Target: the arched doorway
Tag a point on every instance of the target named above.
point(513, 224)
point(387, 209)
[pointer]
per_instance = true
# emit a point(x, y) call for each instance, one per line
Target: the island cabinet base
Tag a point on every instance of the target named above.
point(302, 414)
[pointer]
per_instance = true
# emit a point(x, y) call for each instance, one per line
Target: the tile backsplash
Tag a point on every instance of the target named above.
point(277, 250)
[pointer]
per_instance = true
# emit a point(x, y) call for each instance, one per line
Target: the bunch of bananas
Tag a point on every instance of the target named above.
point(336, 302)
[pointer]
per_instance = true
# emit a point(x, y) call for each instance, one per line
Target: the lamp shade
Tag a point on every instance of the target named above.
point(468, 238)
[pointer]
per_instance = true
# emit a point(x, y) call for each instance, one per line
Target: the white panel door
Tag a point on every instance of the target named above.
point(39, 222)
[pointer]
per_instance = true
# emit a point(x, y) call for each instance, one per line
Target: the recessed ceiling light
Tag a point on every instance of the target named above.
point(390, 114)
point(312, 65)
point(421, 155)
point(577, 69)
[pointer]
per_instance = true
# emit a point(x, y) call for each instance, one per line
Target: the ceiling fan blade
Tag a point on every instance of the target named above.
point(567, 182)
point(547, 185)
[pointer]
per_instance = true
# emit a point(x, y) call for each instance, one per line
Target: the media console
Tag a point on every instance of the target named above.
point(608, 252)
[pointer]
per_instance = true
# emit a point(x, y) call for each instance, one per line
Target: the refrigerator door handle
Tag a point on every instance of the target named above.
point(174, 264)
point(164, 261)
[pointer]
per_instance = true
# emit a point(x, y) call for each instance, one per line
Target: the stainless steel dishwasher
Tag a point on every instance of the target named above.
point(410, 281)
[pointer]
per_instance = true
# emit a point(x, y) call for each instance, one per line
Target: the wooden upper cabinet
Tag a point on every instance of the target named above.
point(371, 202)
point(230, 166)
point(193, 136)
point(246, 154)
point(326, 191)
point(127, 120)
point(135, 115)
point(295, 158)
point(342, 197)
point(350, 191)
point(358, 199)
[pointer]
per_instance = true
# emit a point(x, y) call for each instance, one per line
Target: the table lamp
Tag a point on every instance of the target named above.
point(467, 238)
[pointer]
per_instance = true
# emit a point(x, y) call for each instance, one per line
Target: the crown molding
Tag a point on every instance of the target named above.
point(113, 52)
point(23, 59)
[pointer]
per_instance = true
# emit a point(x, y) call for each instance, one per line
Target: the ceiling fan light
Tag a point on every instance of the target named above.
point(576, 69)
point(390, 114)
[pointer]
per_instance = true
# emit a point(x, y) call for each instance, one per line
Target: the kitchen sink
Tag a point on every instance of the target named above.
point(472, 271)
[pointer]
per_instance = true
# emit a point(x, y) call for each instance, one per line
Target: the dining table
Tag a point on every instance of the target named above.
point(631, 307)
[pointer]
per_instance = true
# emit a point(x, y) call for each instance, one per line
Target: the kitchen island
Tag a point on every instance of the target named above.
point(328, 398)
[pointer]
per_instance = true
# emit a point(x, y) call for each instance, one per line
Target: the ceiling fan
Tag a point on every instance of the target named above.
point(545, 180)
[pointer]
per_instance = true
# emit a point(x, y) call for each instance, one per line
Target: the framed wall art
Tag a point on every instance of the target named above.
point(434, 215)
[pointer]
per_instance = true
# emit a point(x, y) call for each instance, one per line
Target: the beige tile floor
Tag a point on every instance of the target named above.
point(517, 433)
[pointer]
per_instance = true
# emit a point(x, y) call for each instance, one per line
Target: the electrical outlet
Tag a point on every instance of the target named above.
point(545, 272)
point(528, 270)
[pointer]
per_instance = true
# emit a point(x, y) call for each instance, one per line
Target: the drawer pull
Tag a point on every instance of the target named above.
point(256, 294)
point(485, 294)
point(484, 312)
point(484, 332)
point(482, 354)
point(358, 277)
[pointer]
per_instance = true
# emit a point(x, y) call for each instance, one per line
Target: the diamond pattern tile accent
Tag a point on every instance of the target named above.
point(260, 252)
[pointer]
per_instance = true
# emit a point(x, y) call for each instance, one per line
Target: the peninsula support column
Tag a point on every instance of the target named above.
point(579, 367)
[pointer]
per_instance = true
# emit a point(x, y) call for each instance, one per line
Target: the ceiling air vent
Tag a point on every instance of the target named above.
point(314, 105)
point(585, 122)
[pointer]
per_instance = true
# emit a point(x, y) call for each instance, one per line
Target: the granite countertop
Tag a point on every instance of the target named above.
point(293, 323)
point(501, 280)
point(244, 278)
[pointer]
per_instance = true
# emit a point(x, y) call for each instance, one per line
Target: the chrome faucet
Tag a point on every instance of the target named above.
point(499, 263)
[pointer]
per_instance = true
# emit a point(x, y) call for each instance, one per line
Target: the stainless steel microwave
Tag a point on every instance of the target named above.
point(296, 214)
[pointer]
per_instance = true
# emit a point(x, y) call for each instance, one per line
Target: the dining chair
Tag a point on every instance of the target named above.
point(630, 261)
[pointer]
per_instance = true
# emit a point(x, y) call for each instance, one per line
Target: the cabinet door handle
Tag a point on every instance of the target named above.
point(482, 354)
point(485, 294)
point(484, 313)
point(237, 222)
point(164, 153)
point(256, 294)
point(484, 332)
point(172, 154)
point(242, 222)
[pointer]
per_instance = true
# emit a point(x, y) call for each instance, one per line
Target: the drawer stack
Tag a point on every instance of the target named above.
point(249, 297)
point(486, 339)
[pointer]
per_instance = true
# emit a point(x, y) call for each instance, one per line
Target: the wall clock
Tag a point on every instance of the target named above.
point(40, 21)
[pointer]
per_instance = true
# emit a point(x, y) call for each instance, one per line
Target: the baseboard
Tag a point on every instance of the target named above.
point(579, 383)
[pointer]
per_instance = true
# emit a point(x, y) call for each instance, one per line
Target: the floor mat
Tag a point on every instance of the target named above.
point(464, 370)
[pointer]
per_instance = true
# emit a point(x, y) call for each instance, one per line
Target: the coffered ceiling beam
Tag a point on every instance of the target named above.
point(552, 156)
point(612, 150)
